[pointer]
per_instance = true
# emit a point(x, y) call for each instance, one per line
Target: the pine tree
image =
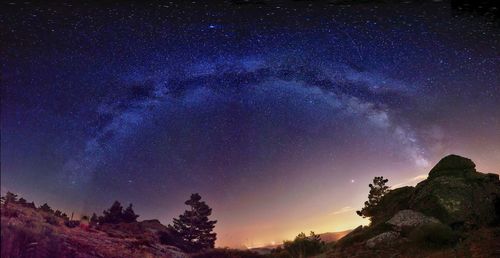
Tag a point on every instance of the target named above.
point(64, 216)
point(129, 215)
point(22, 201)
point(114, 214)
point(377, 190)
point(31, 205)
point(10, 197)
point(194, 227)
point(45, 207)
point(94, 219)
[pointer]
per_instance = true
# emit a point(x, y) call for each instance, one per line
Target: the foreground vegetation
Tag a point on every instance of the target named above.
point(30, 231)
point(453, 213)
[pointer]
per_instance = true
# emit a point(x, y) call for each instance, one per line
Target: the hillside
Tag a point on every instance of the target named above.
point(28, 232)
point(333, 236)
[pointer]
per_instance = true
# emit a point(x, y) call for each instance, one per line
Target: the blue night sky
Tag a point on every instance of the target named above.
point(277, 114)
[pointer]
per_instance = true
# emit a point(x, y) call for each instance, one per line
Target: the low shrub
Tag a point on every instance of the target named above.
point(434, 236)
point(10, 213)
point(51, 220)
point(304, 246)
point(72, 223)
point(26, 242)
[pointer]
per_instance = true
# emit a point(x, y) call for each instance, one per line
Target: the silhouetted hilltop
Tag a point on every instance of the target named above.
point(444, 213)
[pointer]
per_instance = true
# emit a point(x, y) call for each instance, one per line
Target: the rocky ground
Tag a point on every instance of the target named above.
point(32, 233)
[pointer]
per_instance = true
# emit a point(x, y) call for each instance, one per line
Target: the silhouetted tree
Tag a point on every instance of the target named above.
point(304, 246)
point(84, 217)
point(58, 213)
point(45, 207)
point(194, 228)
point(64, 216)
point(31, 205)
point(114, 214)
point(10, 198)
point(377, 190)
point(129, 215)
point(94, 219)
point(22, 201)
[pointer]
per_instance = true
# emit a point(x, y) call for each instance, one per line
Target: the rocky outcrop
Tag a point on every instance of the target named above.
point(453, 165)
point(410, 218)
point(456, 194)
point(454, 202)
point(384, 239)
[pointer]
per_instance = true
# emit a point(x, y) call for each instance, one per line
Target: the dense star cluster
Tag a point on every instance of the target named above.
point(268, 110)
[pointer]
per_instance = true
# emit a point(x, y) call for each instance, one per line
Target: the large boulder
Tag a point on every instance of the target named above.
point(456, 194)
point(394, 201)
point(410, 218)
point(384, 239)
point(453, 165)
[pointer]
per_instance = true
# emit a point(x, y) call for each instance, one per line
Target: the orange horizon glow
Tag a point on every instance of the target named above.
point(268, 232)
point(342, 219)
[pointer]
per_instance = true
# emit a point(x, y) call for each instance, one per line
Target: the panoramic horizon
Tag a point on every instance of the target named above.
point(278, 115)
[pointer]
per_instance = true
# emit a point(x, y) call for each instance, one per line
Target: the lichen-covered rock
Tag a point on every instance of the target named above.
point(394, 201)
point(456, 194)
point(410, 218)
point(384, 239)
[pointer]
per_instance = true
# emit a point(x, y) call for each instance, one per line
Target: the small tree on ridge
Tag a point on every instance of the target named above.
point(129, 215)
point(377, 190)
point(193, 227)
point(113, 214)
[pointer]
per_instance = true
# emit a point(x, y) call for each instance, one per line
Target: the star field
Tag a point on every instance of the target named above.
point(278, 114)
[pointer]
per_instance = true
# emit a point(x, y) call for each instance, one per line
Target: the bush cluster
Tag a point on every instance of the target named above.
point(116, 214)
point(433, 236)
point(301, 246)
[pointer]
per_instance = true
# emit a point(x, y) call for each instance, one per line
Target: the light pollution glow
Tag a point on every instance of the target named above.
point(278, 117)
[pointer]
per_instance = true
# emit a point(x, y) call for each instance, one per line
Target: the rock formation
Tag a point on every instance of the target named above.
point(410, 218)
point(456, 194)
point(454, 202)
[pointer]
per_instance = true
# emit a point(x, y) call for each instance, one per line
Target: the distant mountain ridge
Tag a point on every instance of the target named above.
point(334, 236)
point(327, 237)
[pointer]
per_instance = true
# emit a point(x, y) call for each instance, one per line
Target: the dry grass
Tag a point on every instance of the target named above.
point(32, 233)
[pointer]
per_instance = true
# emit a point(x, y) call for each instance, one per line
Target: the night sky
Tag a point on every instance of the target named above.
point(279, 115)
